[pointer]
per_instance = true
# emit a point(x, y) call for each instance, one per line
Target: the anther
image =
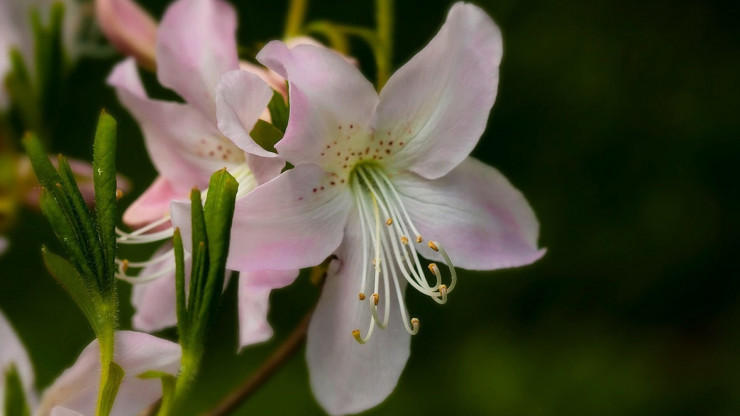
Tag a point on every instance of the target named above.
point(433, 246)
point(362, 296)
point(358, 338)
point(419, 239)
point(124, 265)
point(415, 325)
point(404, 239)
point(389, 221)
point(119, 194)
point(376, 298)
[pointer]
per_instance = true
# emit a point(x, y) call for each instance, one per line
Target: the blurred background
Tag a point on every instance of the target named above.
point(619, 122)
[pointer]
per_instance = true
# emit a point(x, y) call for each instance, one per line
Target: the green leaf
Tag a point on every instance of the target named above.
point(45, 172)
point(88, 300)
point(200, 254)
point(279, 111)
point(219, 212)
point(66, 233)
point(15, 396)
point(104, 178)
point(110, 390)
point(266, 135)
point(182, 313)
point(84, 222)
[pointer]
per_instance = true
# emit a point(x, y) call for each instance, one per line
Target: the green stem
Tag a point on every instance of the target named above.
point(384, 10)
point(294, 20)
point(106, 341)
point(189, 368)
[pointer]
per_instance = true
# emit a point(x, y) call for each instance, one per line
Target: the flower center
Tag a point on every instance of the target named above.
point(389, 240)
point(161, 230)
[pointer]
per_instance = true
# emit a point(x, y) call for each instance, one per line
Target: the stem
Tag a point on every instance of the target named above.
point(384, 21)
point(106, 341)
point(294, 20)
point(189, 368)
point(290, 346)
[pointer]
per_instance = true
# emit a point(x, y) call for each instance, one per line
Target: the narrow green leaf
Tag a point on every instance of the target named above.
point(45, 172)
point(266, 135)
point(104, 178)
point(279, 111)
point(199, 250)
point(219, 212)
point(66, 233)
point(110, 390)
point(15, 396)
point(84, 222)
point(86, 298)
point(182, 313)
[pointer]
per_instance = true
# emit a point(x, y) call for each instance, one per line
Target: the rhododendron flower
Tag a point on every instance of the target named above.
point(380, 180)
point(75, 392)
point(195, 45)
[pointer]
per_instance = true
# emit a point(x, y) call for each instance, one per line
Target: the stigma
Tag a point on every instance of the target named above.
point(390, 258)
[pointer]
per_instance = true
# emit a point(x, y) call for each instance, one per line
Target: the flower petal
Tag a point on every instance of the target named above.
point(327, 94)
point(155, 301)
point(347, 377)
point(152, 205)
point(77, 388)
point(283, 224)
point(129, 28)
point(185, 147)
point(438, 103)
point(4, 244)
point(254, 303)
point(241, 97)
point(482, 221)
point(63, 411)
point(196, 44)
point(13, 353)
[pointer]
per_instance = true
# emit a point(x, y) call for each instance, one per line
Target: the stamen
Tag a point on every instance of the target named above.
point(392, 256)
point(358, 338)
point(119, 194)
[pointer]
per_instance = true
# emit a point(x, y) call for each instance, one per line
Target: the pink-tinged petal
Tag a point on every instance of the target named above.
point(77, 388)
point(129, 28)
point(347, 377)
point(13, 353)
point(196, 44)
point(185, 147)
point(241, 97)
point(275, 81)
point(155, 301)
point(283, 224)
point(330, 100)
point(254, 303)
point(152, 205)
point(437, 104)
point(63, 411)
point(4, 244)
point(264, 169)
point(482, 221)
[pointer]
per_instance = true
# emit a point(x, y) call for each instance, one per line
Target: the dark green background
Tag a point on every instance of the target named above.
point(618, 121)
